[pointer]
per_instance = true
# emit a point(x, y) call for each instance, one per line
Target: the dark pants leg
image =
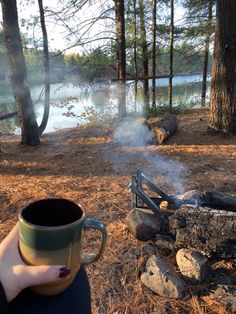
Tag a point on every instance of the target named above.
point(75, 299)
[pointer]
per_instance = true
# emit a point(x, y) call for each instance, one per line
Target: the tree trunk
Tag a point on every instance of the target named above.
point(222, 100)
point(135, 57)
point(154, 30)
point(121, 55)
point(44, 122)
point(20, 86)
point(170, 91)
point(144, 56)
point(206, 53)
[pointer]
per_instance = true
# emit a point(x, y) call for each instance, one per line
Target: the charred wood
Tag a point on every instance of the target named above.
point(208, 230)
point(219, 200)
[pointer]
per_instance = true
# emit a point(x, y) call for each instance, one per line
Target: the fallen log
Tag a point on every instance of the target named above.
point(4, 116)
point(212, 199)
point(141, 78)
point(208, 230)
point(164, 128)
point(219, 200)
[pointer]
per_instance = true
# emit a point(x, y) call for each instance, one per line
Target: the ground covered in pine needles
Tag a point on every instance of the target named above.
point(87, 165)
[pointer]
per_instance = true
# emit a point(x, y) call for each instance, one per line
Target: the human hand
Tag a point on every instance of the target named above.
point(15, 275)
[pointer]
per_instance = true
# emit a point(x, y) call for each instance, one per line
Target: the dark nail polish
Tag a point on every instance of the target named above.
point(63, 272)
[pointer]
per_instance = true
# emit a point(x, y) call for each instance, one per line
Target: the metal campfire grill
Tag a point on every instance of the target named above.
point(141, 200)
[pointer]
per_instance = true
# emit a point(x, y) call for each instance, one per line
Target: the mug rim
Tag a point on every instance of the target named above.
point(61, 227)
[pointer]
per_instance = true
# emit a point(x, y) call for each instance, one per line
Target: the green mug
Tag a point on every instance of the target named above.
point(51, 233)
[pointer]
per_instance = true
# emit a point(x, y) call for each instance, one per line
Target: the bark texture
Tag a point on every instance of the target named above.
point(143, 36)
point(222, 100)
point(20, 86)
point(164, 128)
point(206, 54)
point(170, 89)
point(208, 230)
point(121, 55)
point(154, 32)
point(44, 122)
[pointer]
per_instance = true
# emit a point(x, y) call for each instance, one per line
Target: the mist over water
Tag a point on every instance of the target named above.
point(186, 91)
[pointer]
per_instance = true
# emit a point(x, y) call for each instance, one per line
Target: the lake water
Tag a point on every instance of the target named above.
point(69, 102)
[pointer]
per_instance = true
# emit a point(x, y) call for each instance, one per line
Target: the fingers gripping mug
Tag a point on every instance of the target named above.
point(51, 233)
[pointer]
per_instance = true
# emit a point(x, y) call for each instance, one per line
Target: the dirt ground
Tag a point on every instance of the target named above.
point(86, 165)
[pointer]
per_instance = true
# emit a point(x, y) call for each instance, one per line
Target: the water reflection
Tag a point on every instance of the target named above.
point(69, 101)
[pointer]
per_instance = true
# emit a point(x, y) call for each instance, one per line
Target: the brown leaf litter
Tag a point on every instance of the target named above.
point(85, 164)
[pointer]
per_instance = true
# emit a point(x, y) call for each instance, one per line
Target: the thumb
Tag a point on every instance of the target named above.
point(37, 275)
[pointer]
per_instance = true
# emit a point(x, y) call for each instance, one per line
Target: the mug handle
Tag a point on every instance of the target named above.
point(94, 224)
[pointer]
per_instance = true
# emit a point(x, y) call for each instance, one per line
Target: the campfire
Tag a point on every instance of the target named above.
point(203, 221)
point(199, 226)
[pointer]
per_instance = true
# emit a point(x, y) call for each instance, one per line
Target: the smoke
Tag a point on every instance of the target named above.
point(170, 174)
point(132, 133)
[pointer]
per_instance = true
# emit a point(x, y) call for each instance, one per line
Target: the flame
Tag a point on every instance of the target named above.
point(164, 204)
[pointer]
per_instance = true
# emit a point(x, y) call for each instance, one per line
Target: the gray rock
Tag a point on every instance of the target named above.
point(143, 224)
point(194, 266)
point(161, 277)
point(148, 249)
point(165, 242)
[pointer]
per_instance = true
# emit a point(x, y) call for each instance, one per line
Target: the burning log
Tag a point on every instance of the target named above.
point(219, 200)
point(208, 230)
point(164, 128)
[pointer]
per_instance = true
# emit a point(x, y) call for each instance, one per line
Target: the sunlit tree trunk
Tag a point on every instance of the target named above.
point(170, 91)
point(44, 122)
point(19, 82)
point(222, 100)
point(206, 53)
point(121, 55)
point(144, 56)
point(154, 30)
point(135, 57)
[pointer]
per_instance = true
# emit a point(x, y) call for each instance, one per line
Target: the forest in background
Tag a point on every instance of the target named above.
point(138, 32)
point(99, 60)
point(98, 64)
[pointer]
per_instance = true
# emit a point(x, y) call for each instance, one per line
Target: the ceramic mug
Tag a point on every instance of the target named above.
point(51, 233)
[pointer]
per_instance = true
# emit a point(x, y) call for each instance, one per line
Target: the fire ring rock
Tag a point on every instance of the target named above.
point(143, 224)
point(194, 266)
point(162, 278)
